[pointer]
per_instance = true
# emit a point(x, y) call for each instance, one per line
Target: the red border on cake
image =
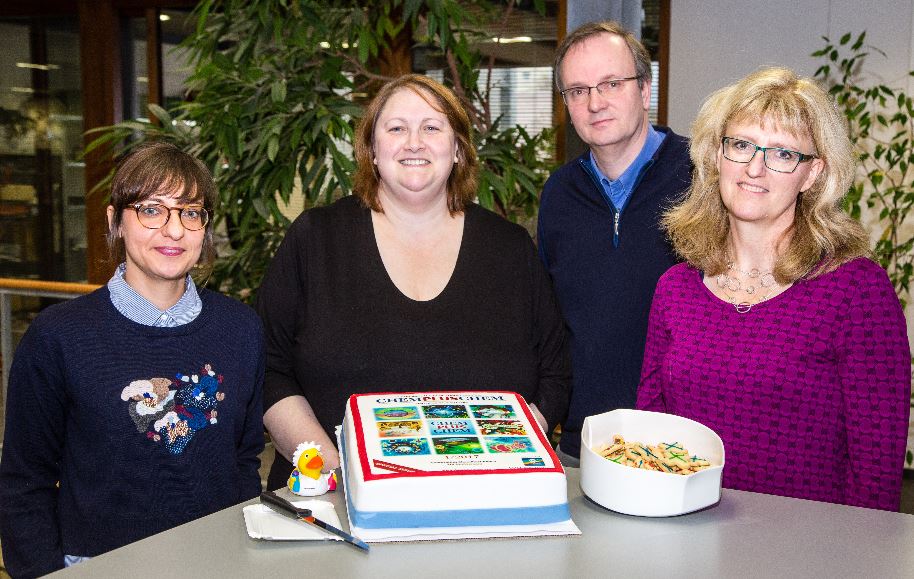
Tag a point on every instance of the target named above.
point(363, 454)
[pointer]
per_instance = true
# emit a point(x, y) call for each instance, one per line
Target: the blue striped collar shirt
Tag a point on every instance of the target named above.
point(138, 309)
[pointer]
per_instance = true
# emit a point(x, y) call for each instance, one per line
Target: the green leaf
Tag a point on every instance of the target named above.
point(160, 113)
point(202, 13)
point(260, 207)
point(278, 91)
point(859, 42)
point(272, 147)
point(411, 8)
point(484, 192)
point(364, 46)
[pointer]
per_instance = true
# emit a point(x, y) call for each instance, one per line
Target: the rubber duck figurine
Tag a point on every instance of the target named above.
point(308, 479)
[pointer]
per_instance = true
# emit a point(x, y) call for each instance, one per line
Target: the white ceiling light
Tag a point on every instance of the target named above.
point(37, 66)
point(512, 40)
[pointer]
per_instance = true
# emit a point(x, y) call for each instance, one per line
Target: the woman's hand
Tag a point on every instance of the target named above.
point(540, 419)
point(291, 421)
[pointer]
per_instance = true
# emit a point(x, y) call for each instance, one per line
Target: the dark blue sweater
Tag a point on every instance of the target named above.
point(604, 274)
point(145, 428)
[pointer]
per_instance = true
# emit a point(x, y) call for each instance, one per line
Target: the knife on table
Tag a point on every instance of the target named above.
point(284, 507)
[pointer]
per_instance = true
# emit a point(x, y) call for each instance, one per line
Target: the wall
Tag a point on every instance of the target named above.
point(715, 42)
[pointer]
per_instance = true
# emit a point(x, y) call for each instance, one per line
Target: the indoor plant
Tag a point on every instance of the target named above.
point(881, 125)
point(276, 88)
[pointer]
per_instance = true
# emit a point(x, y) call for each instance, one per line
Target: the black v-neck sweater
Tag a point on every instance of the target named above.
point(337, 325)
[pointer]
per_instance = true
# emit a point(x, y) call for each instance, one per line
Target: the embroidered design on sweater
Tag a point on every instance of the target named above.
point(173, 410)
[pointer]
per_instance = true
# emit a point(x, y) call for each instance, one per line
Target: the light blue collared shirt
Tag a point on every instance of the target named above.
point(138, 309)
point(618, 192)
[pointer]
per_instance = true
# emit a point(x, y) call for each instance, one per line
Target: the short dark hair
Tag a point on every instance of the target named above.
point(158, 167)
point(640, 55)
point(464, 177)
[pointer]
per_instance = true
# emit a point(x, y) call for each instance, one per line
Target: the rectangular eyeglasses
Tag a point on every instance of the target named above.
point(574, 95)
point(777, 159)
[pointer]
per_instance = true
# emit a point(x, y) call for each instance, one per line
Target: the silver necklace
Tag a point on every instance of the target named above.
point(727, 282)
point(744, 306)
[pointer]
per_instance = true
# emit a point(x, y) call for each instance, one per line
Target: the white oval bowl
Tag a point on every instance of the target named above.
point(647, 493)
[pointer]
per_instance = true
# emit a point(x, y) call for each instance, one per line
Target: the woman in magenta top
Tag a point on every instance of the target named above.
point(779, 332)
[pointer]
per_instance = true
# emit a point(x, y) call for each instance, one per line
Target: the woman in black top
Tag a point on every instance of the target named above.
point(407, 286)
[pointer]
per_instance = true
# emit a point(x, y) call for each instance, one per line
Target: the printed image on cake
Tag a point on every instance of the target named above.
point(493, 427)
point(450, 427)
point(509, 444)
point(396, 413)
point(399, 428)
point(491, 411)
point(472, 465)
point(457, 445)
point(445, 411)
point(404, 447)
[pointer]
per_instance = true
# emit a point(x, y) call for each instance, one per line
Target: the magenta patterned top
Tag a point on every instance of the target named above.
point(810, 390)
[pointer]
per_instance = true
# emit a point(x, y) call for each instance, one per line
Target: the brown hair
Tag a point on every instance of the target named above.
point(160, 168)
point(640, 55)
point(463, 180)
point(699, 225)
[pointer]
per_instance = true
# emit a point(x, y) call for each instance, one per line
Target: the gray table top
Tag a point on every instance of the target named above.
point(745, 535)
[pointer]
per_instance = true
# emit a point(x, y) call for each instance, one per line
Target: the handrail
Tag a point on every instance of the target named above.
point(34, 288)
point(47, 286)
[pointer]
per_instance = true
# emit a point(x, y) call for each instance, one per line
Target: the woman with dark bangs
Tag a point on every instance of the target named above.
point(779, 332)
point(137, 407)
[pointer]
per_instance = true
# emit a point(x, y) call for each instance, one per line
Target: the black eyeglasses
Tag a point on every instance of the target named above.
point(574, 95)
point(777, 159)
point(156, 215)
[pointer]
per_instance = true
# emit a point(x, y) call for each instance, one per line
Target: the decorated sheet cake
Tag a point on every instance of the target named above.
point(449, 465)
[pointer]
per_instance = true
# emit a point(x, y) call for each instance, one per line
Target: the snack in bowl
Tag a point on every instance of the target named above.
point(645, 492)
point(669, 457)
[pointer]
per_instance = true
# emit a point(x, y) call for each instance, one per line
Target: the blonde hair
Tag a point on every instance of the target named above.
point(822, 236)
point(464, 177)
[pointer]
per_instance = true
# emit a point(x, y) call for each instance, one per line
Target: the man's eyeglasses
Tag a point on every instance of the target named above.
point(777, 159)
point(574, 95)
point(156, 215)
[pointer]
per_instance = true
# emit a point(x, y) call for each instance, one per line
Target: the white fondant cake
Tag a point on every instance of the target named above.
point(449, 464)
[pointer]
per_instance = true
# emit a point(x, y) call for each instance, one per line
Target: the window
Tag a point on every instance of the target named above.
point(42, 192)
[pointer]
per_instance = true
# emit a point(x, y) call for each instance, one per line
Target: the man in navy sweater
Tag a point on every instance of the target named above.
point(599, 232)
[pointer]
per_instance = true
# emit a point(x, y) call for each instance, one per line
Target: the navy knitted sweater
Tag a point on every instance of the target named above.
point(604, 274)
point(145, 428)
